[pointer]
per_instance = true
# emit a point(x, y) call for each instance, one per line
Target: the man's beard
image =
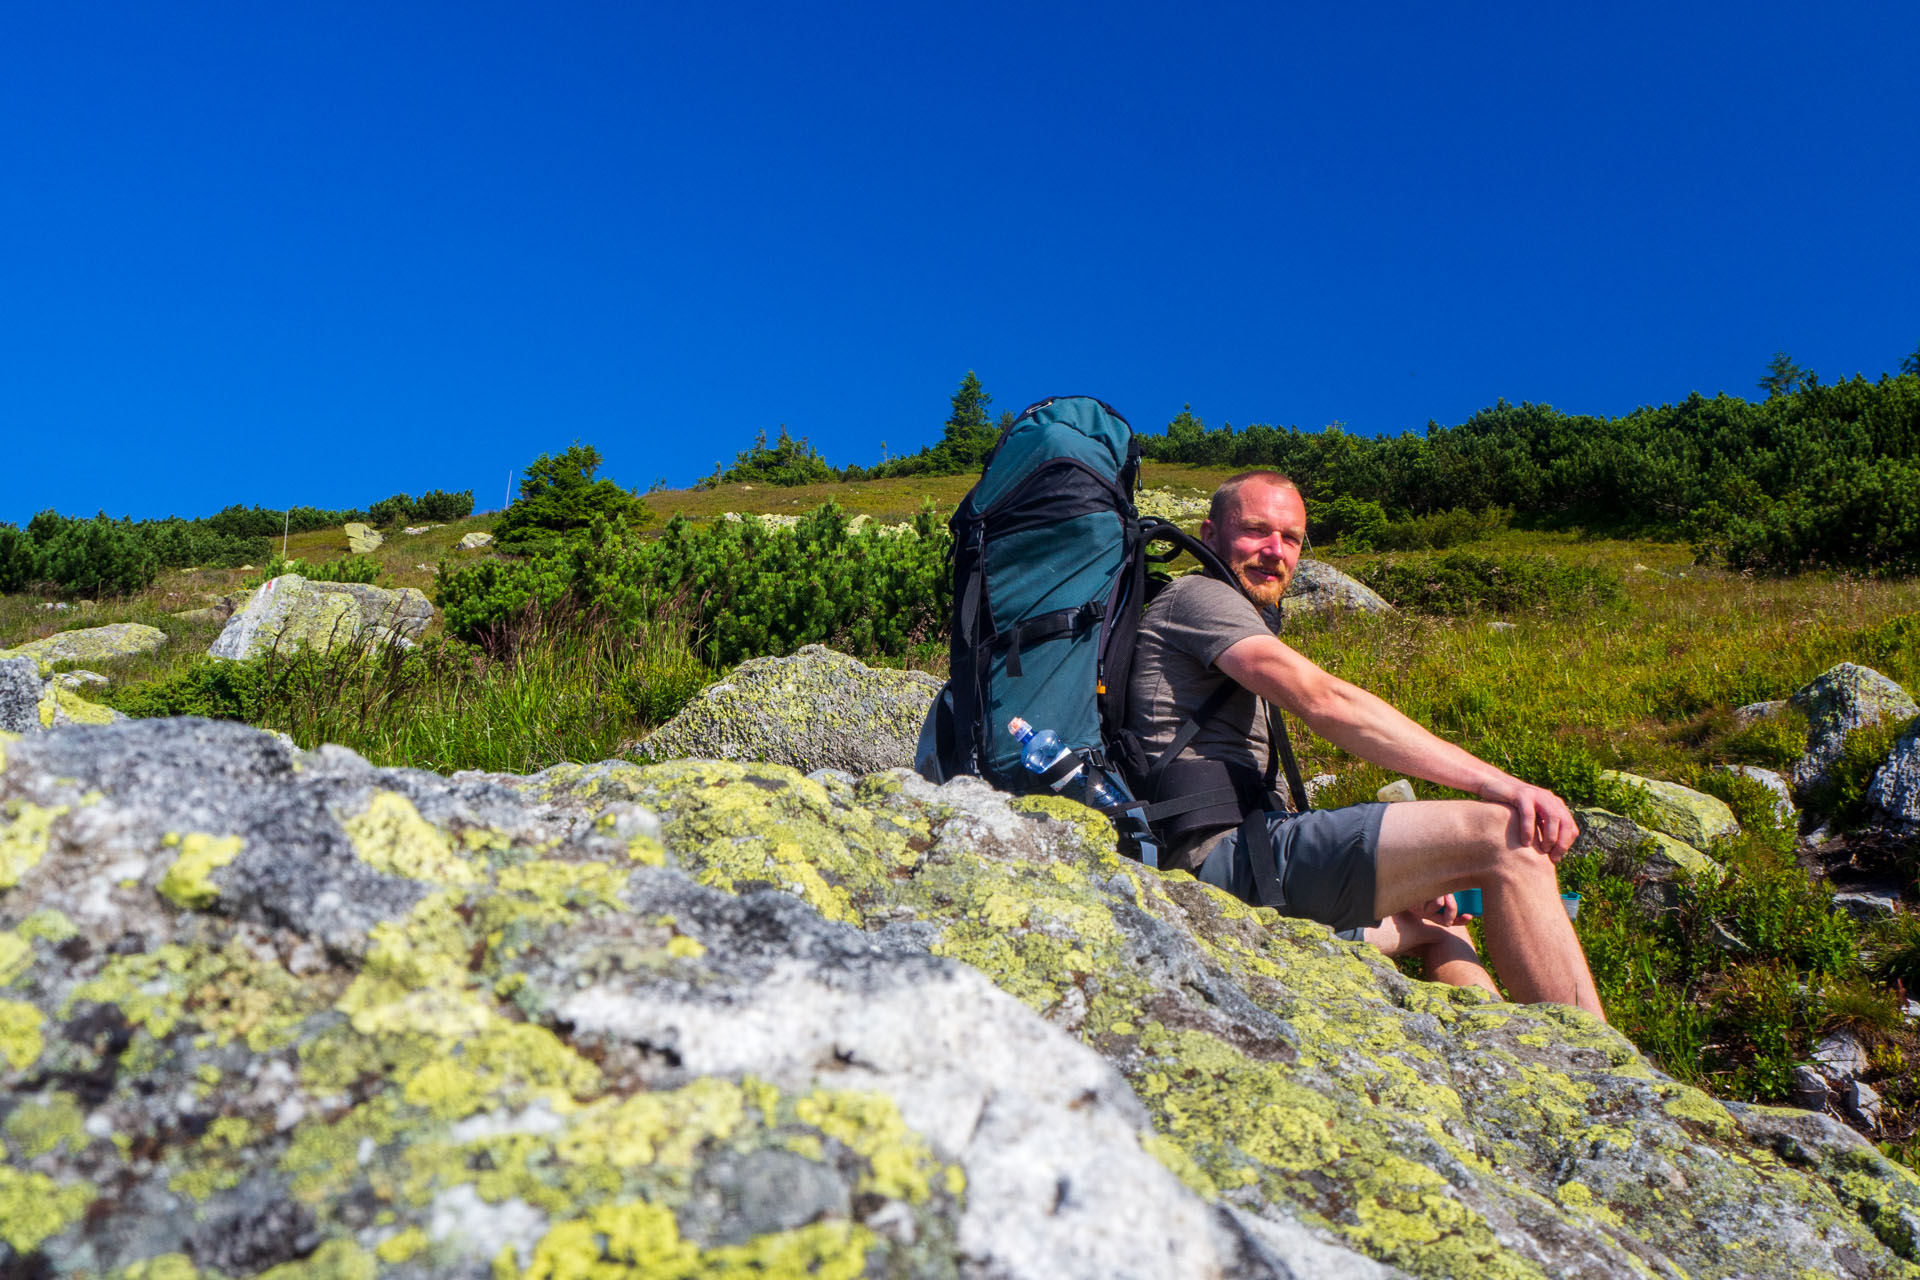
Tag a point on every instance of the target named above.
point(1265, 591)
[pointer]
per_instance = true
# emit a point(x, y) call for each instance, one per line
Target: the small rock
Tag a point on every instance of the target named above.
point(1911, 1010)
point(1755, 712)
point(415, 530)
point(1809, 1089)
point(1500, 626)
point(1818, 836)
point(1863, 1103)
point(1866, 906)
point(361, 538)
point(1317, 585)
point(1729, 941)
point(80, 679)
point(53, 606)
point(1317, 783)
point(1396, 792)
point(475, 540)
point(1840, 1055)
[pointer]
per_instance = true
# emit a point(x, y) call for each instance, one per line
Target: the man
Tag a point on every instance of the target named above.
point(1388, 869)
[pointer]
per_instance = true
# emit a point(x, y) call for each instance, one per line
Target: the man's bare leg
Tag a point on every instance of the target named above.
point(1445, 950)
point(1432, 847)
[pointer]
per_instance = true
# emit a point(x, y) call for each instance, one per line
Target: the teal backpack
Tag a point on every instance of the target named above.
point(1051, 571)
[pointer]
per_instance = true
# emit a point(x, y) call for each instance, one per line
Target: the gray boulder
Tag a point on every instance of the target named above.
point(1655, 861)
point(817, 709)
point(362, 538)
point(289, 613)
point(264, 1006)
point(1754, 712)
point(476, 540)
point(1317, 585)
point(1837, 702)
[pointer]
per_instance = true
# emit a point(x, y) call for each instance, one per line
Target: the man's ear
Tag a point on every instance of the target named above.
point(1206, 532)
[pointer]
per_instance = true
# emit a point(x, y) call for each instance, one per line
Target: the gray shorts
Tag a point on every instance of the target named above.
point(1326, 861)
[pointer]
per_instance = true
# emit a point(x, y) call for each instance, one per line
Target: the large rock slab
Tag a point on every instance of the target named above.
point(289, 613)
point(1691, 817)
point(476, 540)
point(1653, 860)
point(92, 644)
point(1318, 585)
point(1837, 702)
point(682, 1019)
point(818, 709)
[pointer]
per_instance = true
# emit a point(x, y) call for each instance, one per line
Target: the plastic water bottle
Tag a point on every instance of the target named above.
point(1044, 749)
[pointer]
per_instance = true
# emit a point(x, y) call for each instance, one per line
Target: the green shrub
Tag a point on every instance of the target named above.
point(1895, 947)
point(1772, 742)
point(237, 521)
point(19, 566)
point(388, 512)
point(97, 557)
point(1442, 529)
point(440, 507)
point(785, 462)
point(559, 498)
point(206, 687)
point(1757, 1031)
point(1842, 794)
point(742, 588)
point(1355, 523)
point(1460, 582)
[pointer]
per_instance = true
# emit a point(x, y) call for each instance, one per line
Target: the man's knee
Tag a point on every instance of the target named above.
point(1505, 852)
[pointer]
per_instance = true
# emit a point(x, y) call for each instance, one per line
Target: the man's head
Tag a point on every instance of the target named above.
point(1257, 525)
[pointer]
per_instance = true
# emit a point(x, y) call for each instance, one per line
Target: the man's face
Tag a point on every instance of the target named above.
point(1260, 538)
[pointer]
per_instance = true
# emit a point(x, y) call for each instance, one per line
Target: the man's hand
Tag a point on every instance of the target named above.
point(1541, 817)
point(1441, 910)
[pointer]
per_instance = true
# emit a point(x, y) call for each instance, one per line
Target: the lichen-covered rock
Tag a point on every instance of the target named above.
point(815, 710)
point(1317, 585)
point(703, 1018)
point(1691, 817)
point(1180, 508)
point(476, 540)
point(1653, 860)
point(289, 613)
point(92, 644)
point(1754, 712)
point(1837, 702)
point(1894, 792)
point(362, 538)
point(32, 703)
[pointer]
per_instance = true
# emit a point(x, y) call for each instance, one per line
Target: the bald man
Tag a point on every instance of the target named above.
point(1383, 872)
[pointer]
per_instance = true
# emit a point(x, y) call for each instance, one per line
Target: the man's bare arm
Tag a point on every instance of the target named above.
point(1363, 725)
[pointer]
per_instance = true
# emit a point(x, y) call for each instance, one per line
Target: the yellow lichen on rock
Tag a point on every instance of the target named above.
point(34, 1207)
point(23, 838)
point(20, 1039)
point(869, 1123)
point(16, 956)
point(37, 1127)
point(638, 1239)
point(188, 882)
point(391, 836)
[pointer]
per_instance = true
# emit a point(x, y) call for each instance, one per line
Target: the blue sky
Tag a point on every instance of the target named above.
point(323, 253)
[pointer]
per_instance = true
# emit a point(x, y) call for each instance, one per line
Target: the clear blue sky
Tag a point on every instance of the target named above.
point(322, 253)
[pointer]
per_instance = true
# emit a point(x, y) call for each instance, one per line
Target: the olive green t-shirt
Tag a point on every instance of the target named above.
point(1184, 631)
